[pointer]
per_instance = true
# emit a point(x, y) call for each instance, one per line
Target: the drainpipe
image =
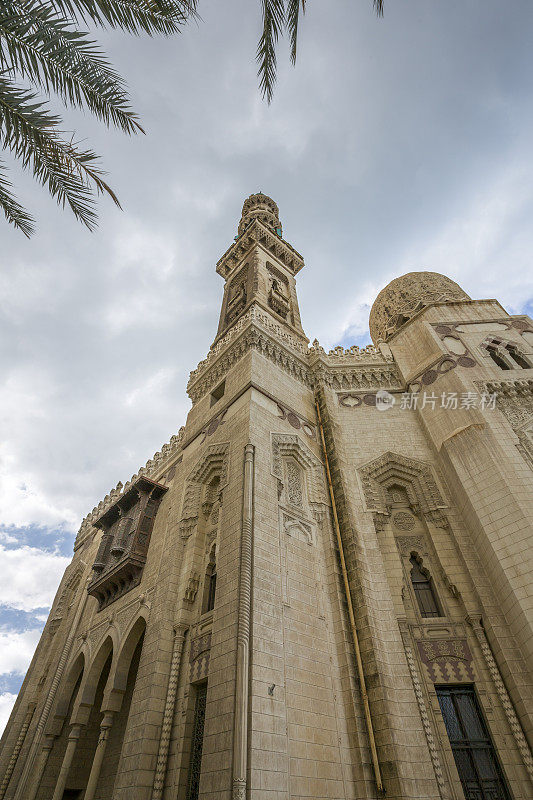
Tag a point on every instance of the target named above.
point(353, 628)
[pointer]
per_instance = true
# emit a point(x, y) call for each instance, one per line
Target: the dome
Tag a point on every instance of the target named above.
point(260, 206)
point(404, 296)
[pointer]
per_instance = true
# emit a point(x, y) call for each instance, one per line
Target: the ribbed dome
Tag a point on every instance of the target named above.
point(404, 296)
point(260, 206)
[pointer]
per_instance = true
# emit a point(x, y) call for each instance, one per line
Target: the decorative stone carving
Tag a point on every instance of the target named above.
point(505, 700)
point(405, 296)
point(360, 377)
point(430, 739)
point(286, 445)
point(294, 484)
point(298, 422)
point(298, 529)
point(414, 476)
point(251, 338)
point(404, 521)
point(236, 296)
point(170, 702)
point(213, 465)
point(515, 400)
point(199, 657)
point(447, 660)
point(192, 587)
point(408, 544)
point(260, 206)
point(259, 232)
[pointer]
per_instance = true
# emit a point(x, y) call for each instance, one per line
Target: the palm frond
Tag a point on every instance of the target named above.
point(135, 16)
point(13, 211)
point(379, 7)
point(293, 15)
point(44, 48)
point(273, 21)
point(31, 132)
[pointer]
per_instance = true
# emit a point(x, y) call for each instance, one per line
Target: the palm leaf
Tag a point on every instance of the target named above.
point(13, 211)
point(31, 132)
point(44, 48)
point(135, 16)
point(273, 22)
point(293, 14)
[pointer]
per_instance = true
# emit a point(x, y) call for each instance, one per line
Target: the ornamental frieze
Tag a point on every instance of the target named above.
point(297, 421)
point(199, 658)
point(447, 660)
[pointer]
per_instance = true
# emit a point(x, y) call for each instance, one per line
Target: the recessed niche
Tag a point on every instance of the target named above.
point(218, 393)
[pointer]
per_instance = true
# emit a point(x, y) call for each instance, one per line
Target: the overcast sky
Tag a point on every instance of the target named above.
point(396, 144)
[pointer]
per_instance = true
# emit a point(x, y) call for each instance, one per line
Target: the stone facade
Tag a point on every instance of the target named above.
point(334, 548)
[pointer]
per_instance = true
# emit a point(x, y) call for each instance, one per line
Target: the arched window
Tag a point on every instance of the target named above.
point(506, 355)
point(210, 583)
point(497, 358)
point(515, 354)
point(423, 589)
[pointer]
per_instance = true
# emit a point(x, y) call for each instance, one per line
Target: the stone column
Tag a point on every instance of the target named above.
point(510, 713)
point(240, 737)
point(72, 743)
point(105, 727)
point(40, 762)
point(170, 702)
point(16, 750)
point(30, 775)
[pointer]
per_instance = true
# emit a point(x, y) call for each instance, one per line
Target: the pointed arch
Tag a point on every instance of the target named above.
point(89, 684)
point(67, 694)
point(118, 676)
point(210, 581)
point(117, 703)
point(424, 588)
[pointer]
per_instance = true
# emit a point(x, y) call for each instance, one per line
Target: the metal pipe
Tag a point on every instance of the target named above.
point(240, 734)
point(355, 638)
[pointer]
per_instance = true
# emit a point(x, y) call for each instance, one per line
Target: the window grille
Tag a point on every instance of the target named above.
point(197, 743)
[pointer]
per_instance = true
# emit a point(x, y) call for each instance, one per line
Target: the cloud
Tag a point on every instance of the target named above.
point(16, 650)
point(30, 577)
point(7, 701)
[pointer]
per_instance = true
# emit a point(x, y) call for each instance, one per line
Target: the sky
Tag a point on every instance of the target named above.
point(396, 144)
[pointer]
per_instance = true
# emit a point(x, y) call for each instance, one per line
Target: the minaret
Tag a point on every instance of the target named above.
point(259, 268)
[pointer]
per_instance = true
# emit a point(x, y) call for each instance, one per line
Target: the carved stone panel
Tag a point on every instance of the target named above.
point(447, 660)
point(199, 658)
